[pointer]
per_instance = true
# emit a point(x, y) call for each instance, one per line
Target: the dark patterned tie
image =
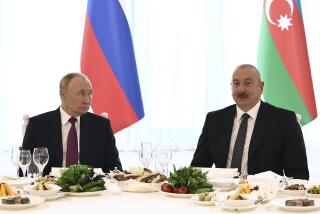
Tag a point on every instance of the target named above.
point(72, 144)
point(240, 140)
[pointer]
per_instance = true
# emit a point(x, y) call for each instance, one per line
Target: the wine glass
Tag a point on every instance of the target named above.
point(24, 161)
point(15, 158)
point(40, 158)
point(146, 154)
point(164, 158)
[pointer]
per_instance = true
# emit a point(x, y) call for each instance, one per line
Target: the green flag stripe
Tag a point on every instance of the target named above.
point(279, 88)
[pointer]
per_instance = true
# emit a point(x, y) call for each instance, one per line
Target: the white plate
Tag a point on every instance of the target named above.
point(80, 194)
point(54, 197)
point(176, 195)
point(19, 183)
point(313, 195)
point(227, 189)
point(43, 193)
point(292, 192)
point(34, 200)
point(136, 186)
point(280, 203)
point(236, 209)
point(222, 182)
point(195, 200)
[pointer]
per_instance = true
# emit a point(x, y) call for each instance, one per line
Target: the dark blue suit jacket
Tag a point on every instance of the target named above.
point(97, 142)
point(276, 144)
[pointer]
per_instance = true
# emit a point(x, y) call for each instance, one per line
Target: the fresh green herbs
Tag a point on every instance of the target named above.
point(80, 178)
point(192, 178)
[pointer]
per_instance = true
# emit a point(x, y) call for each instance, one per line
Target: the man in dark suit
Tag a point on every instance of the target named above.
point(273, 138)
point(91, 135)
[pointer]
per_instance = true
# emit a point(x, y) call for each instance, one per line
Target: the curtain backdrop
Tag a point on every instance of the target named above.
point(185, 50)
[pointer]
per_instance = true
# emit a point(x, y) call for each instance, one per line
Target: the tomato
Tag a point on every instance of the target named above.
point(176, 189)
point(165, 187)
point(183, 190)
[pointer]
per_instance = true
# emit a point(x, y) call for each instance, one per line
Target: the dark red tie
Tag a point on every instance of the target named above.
point(72, 144)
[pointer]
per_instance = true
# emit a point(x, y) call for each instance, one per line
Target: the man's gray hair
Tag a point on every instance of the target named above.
point(64, 82)
point(243, 66)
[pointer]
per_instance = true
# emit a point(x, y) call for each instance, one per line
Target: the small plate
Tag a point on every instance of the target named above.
point(292, 192)
point(309, 195)
point(136, 186)
point(281, 204)
point(19, 183)
point(54, 197)
point(195, 200)
point(80, 194)
point(176, 195)
point(43, 193)
point(34, 200)
point(222, 182)
point(236, 209)
point(227, 189)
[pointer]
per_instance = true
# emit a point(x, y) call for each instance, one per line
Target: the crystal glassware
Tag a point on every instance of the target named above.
point(164, 158)
point(15, 158)
point(24, 160)
point(146, 153)
point(40, 158)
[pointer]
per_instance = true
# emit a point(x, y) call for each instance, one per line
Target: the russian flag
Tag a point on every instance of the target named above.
point(108, 60)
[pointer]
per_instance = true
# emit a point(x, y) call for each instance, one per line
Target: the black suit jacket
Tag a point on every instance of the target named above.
point(276, 144)
point(97, 142)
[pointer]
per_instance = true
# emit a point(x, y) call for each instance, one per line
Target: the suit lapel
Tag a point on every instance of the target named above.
point(83, 137)
point(227, 128)
point(262, 123)
point(58, 134)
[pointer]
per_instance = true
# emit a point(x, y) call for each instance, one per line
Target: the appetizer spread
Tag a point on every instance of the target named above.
point(315, 189)
point(16, 200)
point(139, 174)
point(300, 202)
point(6, 190)
point(295, 187)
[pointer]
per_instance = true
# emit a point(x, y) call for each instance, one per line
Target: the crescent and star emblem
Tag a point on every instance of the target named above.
point(284, 21)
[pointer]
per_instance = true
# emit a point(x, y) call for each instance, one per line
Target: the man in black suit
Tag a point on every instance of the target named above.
point(273, 138)
point(93, 137)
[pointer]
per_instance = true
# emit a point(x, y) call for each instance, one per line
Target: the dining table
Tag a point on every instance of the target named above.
point(113, 200)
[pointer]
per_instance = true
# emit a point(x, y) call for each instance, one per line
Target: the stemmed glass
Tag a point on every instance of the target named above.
point(164, 158)
point(146, 153)
point(40, 158)
point(15, 158)
point(24, 161)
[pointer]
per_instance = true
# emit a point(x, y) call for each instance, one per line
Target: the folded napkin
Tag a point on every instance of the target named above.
point(268, 183)
point(269, 175)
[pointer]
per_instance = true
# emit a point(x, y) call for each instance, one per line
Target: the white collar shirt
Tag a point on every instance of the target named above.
point(253, 112)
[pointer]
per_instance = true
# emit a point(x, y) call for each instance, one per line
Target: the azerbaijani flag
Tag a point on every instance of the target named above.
point(283, 59)
point(108, 60)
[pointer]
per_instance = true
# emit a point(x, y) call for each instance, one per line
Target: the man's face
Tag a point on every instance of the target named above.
point(246, 88)
point(76, 98)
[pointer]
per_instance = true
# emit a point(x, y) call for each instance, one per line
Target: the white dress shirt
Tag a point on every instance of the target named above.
point(253, 112)
point(65, 127)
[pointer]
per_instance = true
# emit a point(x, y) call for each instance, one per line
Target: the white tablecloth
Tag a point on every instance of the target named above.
point(124, 202)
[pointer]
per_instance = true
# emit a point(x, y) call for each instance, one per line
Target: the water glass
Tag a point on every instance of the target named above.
point(146, 153)
point(40, 158)
point(24, 158)
point(15, 158)
point(164, 158)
